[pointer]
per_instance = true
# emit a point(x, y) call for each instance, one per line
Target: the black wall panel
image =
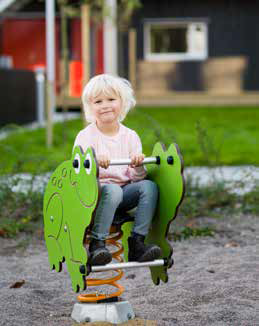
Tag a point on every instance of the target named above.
point(17, 96)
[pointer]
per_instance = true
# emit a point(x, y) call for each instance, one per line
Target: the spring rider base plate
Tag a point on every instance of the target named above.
point(115, 312)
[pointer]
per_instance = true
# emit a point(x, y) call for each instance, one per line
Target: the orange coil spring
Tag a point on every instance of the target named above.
point(94, 297)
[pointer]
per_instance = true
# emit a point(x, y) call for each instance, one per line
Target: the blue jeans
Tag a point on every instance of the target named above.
point(142, 194)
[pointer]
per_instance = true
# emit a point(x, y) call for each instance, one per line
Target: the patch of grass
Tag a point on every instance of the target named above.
point(250, 201)
point(188, 232)
point(217, 199)
point(230, 130)
point(19, 211)
point(26, 151)
point(206, 136)
point(22, 212)
point(212, 200)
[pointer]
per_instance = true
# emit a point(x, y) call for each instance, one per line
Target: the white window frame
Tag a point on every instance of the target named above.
point(187, 56)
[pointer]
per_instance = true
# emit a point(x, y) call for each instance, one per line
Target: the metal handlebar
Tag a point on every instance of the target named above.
point(111, 266)
point(147, 160)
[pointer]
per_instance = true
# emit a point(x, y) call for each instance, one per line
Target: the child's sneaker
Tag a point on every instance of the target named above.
point(99, 254)
point(140, 252)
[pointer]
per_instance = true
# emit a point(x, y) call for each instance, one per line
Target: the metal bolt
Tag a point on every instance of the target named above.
point(65, 228)
point(75, 164)
point(129, 316)
point(170, 160)
point(52, 218)
point(87, 164)
point(82, 269)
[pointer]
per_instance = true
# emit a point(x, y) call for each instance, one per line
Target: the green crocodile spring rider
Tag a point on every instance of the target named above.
point(70, 200)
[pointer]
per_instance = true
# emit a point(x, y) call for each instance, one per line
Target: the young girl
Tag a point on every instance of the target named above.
point(106, 102)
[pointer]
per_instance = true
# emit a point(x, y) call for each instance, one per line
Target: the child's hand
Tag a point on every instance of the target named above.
point(136, 160)
point(103, 161)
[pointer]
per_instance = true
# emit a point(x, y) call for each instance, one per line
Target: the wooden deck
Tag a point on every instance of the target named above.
point(181, 99)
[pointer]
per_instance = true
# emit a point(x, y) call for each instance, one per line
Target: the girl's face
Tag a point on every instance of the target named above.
point(106, 108)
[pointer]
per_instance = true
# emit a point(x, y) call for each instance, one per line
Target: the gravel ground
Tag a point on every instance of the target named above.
point(214, 281)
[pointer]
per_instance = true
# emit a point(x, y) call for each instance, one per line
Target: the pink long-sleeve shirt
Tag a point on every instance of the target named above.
point(121, 146)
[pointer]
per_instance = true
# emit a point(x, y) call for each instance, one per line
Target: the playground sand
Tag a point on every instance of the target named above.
point(214, 281)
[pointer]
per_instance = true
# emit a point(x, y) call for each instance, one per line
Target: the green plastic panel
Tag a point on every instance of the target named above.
point(169, 178)
point(168, 175)
point(69, 201)
point(71, 197)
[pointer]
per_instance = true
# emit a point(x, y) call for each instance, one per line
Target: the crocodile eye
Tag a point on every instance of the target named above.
point(88, 163)
point(76, 163)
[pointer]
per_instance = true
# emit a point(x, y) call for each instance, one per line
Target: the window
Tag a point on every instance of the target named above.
point(175, 40)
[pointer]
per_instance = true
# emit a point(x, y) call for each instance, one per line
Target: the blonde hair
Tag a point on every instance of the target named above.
point(108, 84)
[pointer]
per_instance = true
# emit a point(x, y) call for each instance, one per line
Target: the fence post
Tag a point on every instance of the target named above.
point(50, 54)
point(85, 23)
point(132, 57)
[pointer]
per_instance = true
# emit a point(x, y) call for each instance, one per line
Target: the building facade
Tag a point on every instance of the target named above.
point(197, 46)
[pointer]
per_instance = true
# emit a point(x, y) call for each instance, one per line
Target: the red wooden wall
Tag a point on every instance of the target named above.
point(24, 41)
